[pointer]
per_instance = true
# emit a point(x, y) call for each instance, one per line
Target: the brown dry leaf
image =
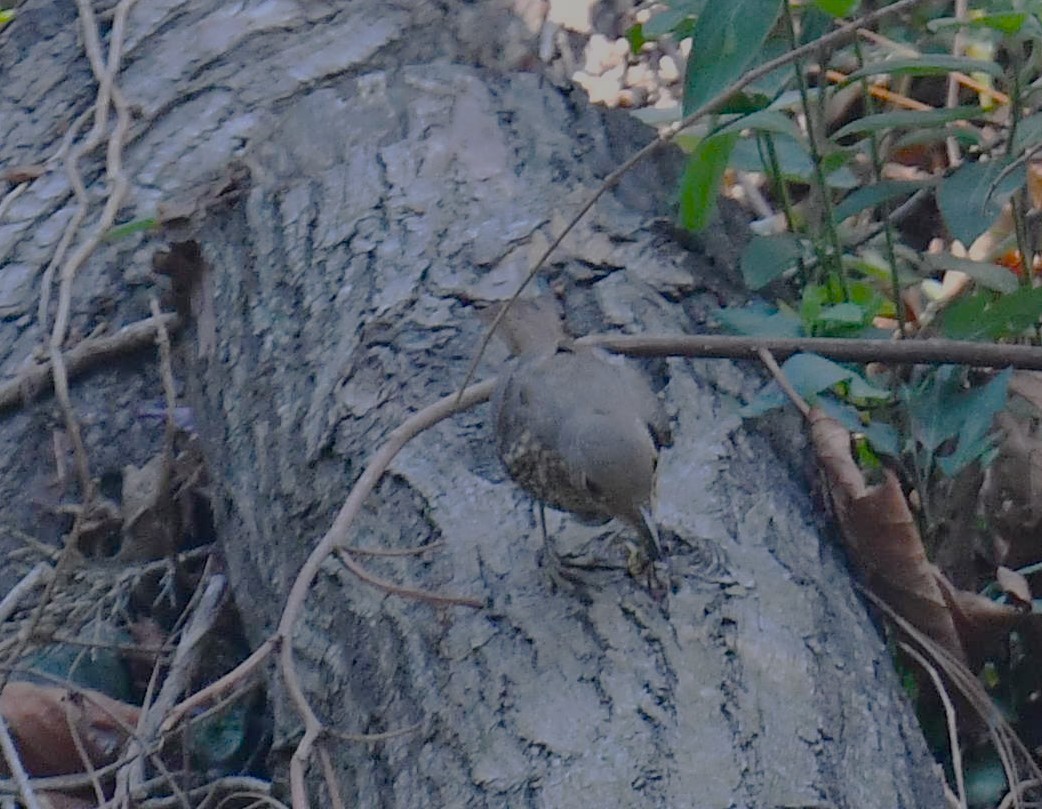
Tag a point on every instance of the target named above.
point(983, 624)
point(881, 537)
point(1011, 496)
point(42, 719)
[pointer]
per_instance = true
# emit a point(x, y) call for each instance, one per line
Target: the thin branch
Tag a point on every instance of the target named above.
point(949, 712)
point(336, 537)
point(85, 355)
point(911, 352)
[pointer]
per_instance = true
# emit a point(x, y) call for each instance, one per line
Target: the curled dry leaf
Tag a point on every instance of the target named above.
point(42, 720)
point(982, 624)
point(881, 537)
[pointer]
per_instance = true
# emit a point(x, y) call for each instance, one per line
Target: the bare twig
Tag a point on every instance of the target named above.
point(87, 354)
point(911, 352)
point(81, 751)
point(40, 574)
point(438, 599)
point(177, 679)
point(783, 382)
point(218, 688)
point(336, 537)
point(949, 712)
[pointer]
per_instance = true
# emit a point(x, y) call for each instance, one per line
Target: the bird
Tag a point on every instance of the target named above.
point(578, 430)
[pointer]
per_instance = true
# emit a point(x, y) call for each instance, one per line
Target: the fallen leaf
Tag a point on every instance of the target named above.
point(42, 720)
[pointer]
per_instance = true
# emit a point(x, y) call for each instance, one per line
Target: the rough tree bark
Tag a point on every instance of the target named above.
point(396, 163)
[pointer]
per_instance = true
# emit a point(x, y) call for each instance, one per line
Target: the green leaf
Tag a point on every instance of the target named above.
point(759, 320)
point(989, 276)
point(1028, 134)
point(764, 121)
point(907, 119)
point(928, 64)
point(965, 136)
point(882, 436)
point(977, 408)
point(810, 374)
point(842, 314)
point(700, 183)
point(1005, 22)
point(727, 39)
point(870, 196)
point(793, 159)
point(966, 199)
point(838, 8)
point(663, 23)
point(129, 228)
point(635, 36)
point(745, 104)
point(765, 258)
point(986, 316)
point(942, 409)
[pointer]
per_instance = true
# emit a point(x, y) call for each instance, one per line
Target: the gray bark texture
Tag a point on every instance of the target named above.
point(396, 162)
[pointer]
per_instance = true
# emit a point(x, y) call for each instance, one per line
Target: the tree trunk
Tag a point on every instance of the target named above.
point(393, 164)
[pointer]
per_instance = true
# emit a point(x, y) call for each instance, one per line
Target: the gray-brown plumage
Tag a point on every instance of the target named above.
point(577, 430)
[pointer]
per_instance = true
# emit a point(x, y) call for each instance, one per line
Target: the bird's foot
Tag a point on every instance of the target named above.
point(645, 570)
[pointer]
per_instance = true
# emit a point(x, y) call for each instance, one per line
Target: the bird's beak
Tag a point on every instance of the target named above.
point(649, 534)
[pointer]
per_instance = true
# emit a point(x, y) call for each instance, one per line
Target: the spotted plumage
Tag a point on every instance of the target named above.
point(579, 430)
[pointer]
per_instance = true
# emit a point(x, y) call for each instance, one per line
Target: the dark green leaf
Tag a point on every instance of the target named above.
point(757, 320)
point(663, 23)
point(810, 374)
point(907, 119)
point(744, 103)
point(770, 397)
point(966, 199)
point(727, 39)
point(942, 409)
point(846, 314)
point(978, 408)
point(870, 196)
point(700, 183)
point(1028, 134)
point(764, 121)
point(793, 159)
point(765, 258)
point(928, 64)
point(965, 136)
point(989, 276)
point(984, 315)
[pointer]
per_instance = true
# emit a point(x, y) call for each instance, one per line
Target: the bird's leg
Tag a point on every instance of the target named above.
point(557, 567)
